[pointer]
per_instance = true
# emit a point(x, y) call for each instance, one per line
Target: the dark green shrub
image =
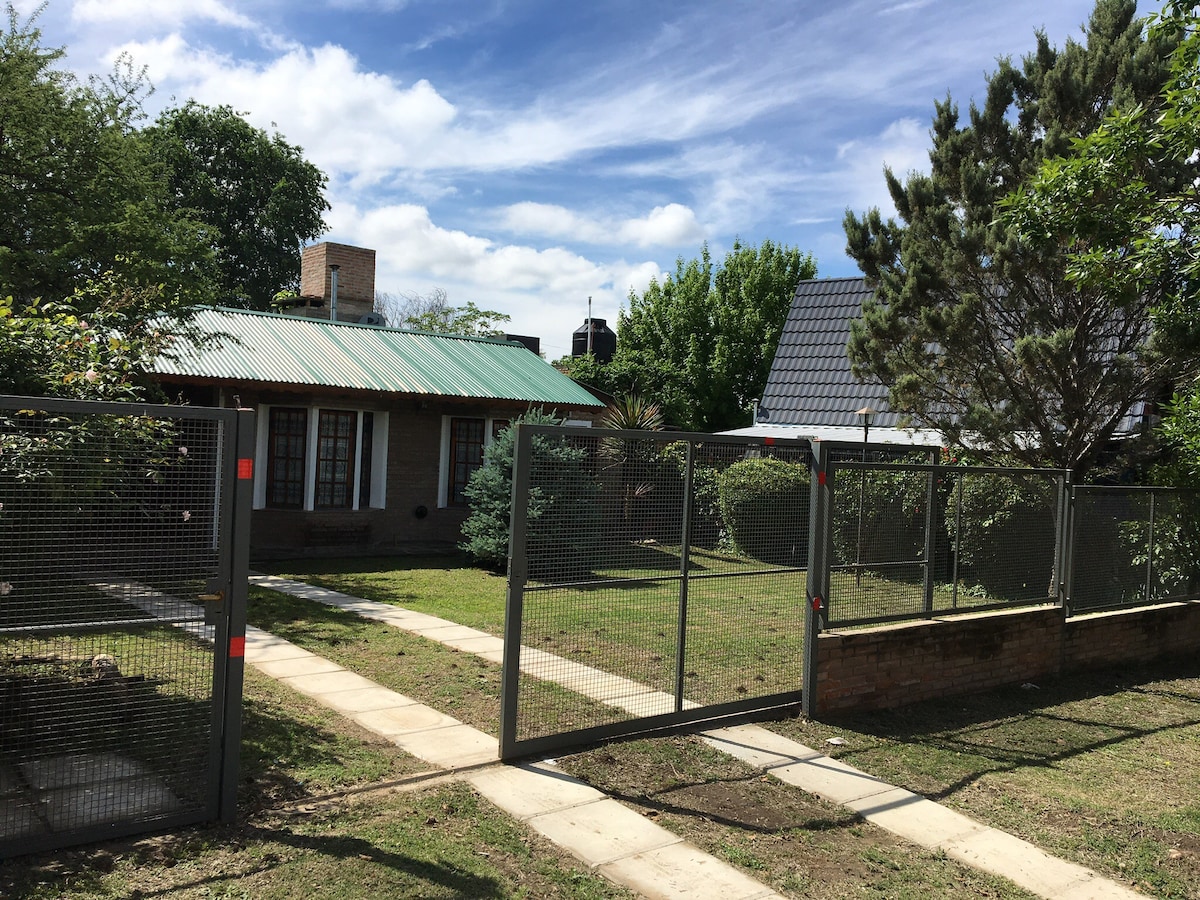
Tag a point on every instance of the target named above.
point(1004, 531)
point(563, 525)
point(891, 528)
point(764, 503)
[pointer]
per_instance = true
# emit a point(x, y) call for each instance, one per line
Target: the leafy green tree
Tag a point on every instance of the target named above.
point(259, 198)
point(701, 343)
point(1127, 232)
point(977, 332)
point(81, 197)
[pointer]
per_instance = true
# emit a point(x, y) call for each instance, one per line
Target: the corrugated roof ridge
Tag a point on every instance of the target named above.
point(328, 322)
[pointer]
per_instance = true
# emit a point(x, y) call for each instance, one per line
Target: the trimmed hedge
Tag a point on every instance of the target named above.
point(764, 503)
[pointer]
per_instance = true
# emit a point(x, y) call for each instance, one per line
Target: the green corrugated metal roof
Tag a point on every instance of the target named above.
point(281, 349)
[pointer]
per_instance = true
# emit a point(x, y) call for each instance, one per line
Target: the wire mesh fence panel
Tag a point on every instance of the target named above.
point(655, 574)
point(911, 539)
point(1004, 528)
point(109, 530)
point(1133, 546)
point(878, 542)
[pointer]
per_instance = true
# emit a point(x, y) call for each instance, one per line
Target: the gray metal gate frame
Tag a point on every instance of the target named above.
point(511, 747)
point(224, 607)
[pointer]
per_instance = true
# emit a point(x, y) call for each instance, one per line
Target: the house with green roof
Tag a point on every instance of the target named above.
point(366, 435)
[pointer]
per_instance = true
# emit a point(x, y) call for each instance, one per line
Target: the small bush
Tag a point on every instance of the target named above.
point(563, 524)
point(764, 503)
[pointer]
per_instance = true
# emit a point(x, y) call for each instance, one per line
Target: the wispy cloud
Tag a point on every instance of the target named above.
point(156, 14)
point(663, 226)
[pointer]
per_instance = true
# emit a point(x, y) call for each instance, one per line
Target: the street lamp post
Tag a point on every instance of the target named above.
point(866, 414)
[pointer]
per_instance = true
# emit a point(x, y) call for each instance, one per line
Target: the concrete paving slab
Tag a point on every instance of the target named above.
point(448, 632)
point(19, 818)
point(1021, 862)
point(830, 779)
point(271, 651)
point(318, 684)
point(403, 720)
point(602, 832)
point(479, 646)
point(124, 800)
point(10, 781)
point(683, 871)
point(757, 746)
point(364, 699)
point(71, 769)
point(309, 664)
point(455, 747)
point(414, 622)
point(915, 818)
point(529, 790)
point(1097, 888)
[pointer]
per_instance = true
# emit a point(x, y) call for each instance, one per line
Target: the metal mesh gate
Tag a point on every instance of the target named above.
point(655, 578)
point(118, 696)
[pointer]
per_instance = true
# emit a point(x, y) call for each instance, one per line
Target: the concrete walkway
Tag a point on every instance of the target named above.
point(605, 835)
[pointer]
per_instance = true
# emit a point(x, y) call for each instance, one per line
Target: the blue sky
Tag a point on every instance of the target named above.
point(528, 154)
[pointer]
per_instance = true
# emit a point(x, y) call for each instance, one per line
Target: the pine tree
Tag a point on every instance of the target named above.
point(976, 332)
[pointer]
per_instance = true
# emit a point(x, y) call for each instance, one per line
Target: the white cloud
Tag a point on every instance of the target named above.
point(664, 226)
point(544, 290)
point(902, 146)
point(156, 13)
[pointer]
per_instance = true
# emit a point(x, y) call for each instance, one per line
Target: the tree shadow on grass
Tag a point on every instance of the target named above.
point(1017, 727)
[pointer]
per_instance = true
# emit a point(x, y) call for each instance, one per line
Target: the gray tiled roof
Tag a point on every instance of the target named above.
point(810, 381)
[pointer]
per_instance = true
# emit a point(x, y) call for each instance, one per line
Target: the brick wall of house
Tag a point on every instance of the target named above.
point(878, 668)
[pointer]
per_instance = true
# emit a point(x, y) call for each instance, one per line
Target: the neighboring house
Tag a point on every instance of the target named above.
point(366, 435)
point(811, 392)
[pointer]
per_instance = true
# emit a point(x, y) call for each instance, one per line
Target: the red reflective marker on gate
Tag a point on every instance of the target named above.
point(820, 478)
point(237, 647)
point(770, 442)
point(816, 604)
point(245, 469)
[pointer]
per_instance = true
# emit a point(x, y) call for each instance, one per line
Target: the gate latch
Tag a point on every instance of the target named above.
point(214, 603)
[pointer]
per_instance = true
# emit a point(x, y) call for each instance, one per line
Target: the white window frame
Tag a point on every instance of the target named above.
point(379, 458)
point(444, 451)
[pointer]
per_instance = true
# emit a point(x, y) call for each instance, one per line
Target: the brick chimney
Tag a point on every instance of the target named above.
point(355, 279)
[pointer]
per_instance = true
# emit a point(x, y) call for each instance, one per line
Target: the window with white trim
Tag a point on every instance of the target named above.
point(463, 441)
point(321, 458)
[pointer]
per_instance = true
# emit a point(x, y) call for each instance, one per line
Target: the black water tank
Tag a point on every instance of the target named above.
point(604, 340)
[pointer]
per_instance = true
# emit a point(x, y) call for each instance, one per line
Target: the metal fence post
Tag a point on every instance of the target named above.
point(1150, 553)
point(1068, 514)
point(518, 574)
point(819, 525)
point(236, 600)
point(684, 562)
point(930, 544)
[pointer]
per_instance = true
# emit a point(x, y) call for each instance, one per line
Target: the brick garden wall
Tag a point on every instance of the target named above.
point(878, 668)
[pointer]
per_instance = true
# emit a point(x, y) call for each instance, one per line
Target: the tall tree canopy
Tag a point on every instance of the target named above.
point(80, 195)
point(701, 343)
point(259, 198)
point(977, 332)
point(201, 203)
point(1129, 233)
